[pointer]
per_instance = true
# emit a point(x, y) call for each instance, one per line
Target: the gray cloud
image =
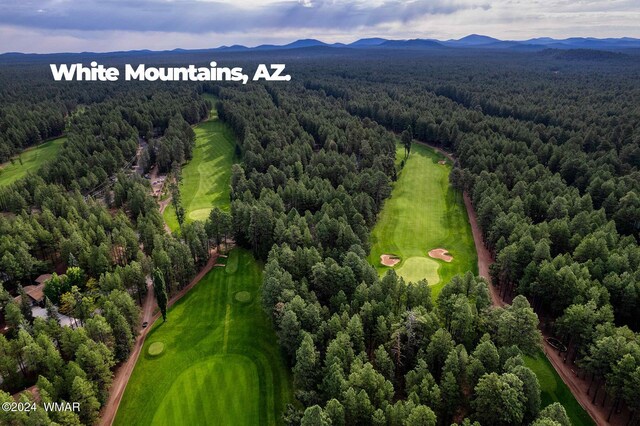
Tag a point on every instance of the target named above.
point(192, 16)
point(107, 25)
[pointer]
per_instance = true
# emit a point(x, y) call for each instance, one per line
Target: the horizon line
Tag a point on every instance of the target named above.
point(328, 44)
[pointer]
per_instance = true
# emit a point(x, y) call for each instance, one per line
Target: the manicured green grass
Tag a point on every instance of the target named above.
point(221, 363)
point(424, 213)
point(554, 389)
point(156, 348)
point(29, 160)
point(232, 262)
point(206, 178)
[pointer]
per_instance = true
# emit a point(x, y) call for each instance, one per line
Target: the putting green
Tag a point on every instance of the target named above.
point(156, 348)
point(29, 160)
point(199, 214)
point(417, 268)
point(225, 366)
point(206, 178)
point(424, 213)
point(243, 296)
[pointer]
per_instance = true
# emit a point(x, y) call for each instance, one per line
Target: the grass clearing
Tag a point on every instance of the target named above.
point(206, 178)
point(553, 389)
point(221, 364)
point(29, 160)
point(424, 213)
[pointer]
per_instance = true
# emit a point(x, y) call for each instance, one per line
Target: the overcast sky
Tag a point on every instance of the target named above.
point(108, 25)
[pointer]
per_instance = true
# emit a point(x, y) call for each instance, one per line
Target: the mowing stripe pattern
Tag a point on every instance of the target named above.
point(210, 371)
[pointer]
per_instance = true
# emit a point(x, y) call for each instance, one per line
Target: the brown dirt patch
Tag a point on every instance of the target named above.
point(442, 254)
point(389, 260)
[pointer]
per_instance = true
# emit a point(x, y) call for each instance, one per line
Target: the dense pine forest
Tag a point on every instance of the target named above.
point(547, 146)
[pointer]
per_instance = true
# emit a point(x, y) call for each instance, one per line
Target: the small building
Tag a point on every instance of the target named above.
point(43, 278)
point(33, 390)
point(36, 292)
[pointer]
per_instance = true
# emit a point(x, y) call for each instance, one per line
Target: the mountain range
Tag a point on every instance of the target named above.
point(470, 41)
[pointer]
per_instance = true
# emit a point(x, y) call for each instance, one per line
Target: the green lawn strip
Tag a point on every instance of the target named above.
point(206, 178)
point(170, 218)
point(231, 264)
point(423, 213)
point(30, 160)
point(221, 363)
point(555, 390)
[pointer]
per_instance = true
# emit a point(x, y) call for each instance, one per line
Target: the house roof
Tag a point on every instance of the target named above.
point(36, 292)
point(33, 390)
point(42, 278)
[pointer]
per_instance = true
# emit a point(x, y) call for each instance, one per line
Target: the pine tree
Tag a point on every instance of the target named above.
point(305, 370)
point(82, 392)
point(160, 291)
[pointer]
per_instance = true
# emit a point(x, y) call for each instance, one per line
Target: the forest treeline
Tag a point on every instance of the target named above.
point(32, 109)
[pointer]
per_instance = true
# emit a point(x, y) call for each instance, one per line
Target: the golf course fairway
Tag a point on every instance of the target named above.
point(206, 178)
point(553, 389)
point(424, 213)
point(221, 363)
point(29, 160)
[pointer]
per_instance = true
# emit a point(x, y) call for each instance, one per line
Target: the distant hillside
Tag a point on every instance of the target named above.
point(410, 44)
point(368, 42)
point(475, 40)
point(472, 41)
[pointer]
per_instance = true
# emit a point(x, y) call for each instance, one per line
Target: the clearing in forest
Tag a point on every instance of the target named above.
point(207, 176)
point(424, 212)
point(29, 160)
point(220, 364)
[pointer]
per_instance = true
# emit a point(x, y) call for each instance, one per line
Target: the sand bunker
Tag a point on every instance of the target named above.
point(389, 260)
point(442, 162)
point(441, 254)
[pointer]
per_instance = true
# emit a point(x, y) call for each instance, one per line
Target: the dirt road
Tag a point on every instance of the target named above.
point(484, 255)
point(123, 372)
point(149, 314)
point(579, 387)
